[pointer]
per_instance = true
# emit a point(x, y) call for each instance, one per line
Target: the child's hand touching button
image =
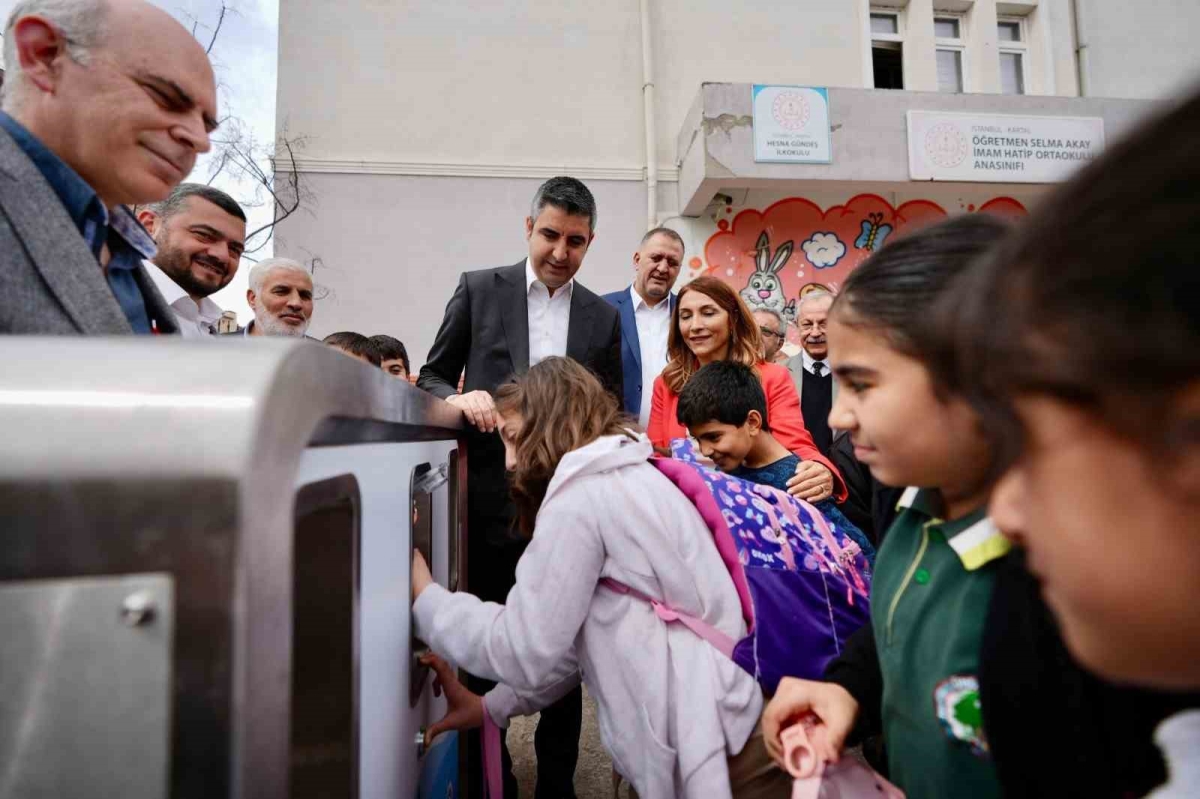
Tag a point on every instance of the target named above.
point(465, 709)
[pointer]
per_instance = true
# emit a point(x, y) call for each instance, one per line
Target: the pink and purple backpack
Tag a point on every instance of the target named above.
point(803, 586)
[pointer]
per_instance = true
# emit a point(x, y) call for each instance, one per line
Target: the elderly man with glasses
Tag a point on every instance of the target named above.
point(774, 332)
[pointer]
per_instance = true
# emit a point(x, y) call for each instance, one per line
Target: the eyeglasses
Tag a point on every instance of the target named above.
point(766, 331)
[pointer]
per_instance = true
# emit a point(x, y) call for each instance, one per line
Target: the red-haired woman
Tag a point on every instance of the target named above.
point(712, 323)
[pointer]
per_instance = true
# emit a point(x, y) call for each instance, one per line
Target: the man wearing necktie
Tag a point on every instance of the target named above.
point(810, 372)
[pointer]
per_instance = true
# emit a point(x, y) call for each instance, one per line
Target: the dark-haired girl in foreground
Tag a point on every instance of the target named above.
point(961, 669)
point(1080, 341)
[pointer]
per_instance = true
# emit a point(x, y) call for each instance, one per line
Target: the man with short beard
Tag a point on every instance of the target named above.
point(200, 233)
point(281, 296)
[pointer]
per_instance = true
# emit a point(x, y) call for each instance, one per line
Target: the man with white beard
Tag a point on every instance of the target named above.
point(281, 296)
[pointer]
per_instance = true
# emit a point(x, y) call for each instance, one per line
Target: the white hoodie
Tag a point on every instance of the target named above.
point(671, 707)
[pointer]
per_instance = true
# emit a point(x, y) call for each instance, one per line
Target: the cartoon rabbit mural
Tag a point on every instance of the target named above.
point(765, 287)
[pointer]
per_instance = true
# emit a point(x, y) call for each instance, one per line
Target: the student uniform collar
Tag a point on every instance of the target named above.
point(974, 538)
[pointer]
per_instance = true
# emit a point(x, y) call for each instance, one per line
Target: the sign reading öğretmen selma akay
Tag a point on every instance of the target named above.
point(998, 148)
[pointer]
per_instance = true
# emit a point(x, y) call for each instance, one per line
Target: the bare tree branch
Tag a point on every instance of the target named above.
point(217, 30)
point(271, 170)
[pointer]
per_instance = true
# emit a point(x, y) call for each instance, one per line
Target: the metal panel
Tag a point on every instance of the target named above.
point(325, 643)
point(181, 457)
point(85, 687)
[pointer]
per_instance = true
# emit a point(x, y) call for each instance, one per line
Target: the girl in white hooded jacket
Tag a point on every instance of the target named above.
point(678, 717)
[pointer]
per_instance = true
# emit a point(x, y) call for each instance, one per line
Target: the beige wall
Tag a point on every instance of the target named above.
point(428, 125)
point(391, 248)
point(536, 82)
point(1146, 49)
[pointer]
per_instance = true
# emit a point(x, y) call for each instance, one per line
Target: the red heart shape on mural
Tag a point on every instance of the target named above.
point(775, 255)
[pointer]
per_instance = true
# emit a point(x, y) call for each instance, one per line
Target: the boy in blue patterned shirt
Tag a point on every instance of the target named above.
point(725, 410)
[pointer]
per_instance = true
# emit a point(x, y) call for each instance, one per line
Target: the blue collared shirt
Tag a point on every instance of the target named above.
point(128, 242)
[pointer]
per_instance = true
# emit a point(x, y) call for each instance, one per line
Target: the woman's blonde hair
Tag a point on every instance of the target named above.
point(745, 340)
point(562, 407)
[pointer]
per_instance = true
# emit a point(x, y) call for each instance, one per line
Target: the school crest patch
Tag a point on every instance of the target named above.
point(956, 700)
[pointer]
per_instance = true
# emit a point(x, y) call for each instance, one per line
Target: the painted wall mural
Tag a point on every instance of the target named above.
point(775, 256)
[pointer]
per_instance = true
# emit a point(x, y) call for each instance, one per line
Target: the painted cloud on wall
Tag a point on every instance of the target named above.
point(824, 257)
point(824, 250)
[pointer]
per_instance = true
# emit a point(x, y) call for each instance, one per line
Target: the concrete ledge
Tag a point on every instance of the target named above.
point(351, 166)
point(868, 131)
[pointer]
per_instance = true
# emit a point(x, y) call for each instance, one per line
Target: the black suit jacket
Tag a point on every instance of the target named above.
point(486, 332)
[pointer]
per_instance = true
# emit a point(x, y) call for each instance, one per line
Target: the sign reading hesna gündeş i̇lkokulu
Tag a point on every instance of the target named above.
point(791, 125)
point(999, 148)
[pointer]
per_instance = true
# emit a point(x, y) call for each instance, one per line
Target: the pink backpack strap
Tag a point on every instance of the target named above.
point(493, 769)
point(688, 480)
point(844, 558)
point(723, 643)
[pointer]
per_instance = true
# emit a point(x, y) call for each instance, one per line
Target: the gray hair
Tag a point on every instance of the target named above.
point(566, 194)
point(261, 269)
point(175, 200)
point(780, 322)
point(81, 23)
point(816, 294)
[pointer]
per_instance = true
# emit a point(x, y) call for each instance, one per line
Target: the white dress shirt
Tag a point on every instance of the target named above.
point(549, 317)
point(1178, 737)
point(194, 321)
point(653, 327)
point(810, 362)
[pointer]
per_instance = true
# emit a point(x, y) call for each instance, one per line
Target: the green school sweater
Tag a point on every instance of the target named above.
point(929, 598)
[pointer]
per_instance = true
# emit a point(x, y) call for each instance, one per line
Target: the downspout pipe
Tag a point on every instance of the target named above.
point(648, 123)
point(1081, 48)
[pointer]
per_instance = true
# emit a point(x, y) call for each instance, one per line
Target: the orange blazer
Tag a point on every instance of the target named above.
point(783, 415)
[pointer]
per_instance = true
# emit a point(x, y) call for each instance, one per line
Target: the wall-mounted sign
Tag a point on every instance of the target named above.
point(998, 148)
point(791, 125)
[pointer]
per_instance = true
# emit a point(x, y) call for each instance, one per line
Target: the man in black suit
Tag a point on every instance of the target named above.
point(498, 323)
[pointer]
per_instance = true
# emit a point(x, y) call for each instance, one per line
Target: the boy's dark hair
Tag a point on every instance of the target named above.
point(725, 392)
point(566, 194)
point(1109, 252)
point(391, 349)
point(355, 344)
point(895, 290)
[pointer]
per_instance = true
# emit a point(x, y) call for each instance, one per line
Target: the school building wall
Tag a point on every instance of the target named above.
point(429, 126)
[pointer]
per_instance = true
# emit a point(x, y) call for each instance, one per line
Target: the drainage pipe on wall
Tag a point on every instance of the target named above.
point(1081, 48)
point(648, 119)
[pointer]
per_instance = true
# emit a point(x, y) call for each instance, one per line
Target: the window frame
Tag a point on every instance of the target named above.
point(1018, 48)
point(896, 13)
point(958, 45)
point(889, 40)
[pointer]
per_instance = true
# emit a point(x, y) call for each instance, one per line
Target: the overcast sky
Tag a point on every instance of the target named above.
point(244, 60)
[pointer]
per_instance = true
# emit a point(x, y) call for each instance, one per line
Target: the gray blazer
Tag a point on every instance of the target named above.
point(50, 283)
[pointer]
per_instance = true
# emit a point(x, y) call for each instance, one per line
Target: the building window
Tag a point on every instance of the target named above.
point(1013, 55)
point(951, 53)
point(887, 49)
